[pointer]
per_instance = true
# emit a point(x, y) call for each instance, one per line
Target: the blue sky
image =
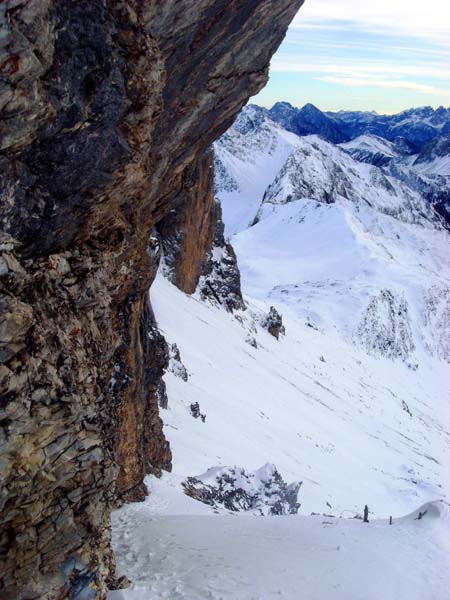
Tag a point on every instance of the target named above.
point(383, 55)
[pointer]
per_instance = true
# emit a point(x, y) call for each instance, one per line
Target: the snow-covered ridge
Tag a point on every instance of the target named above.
point(413, 146)
point(371, 149)
point(319, 170)
point(325, 227)
point(410, 129)
point(372, 143)
point(414, 127)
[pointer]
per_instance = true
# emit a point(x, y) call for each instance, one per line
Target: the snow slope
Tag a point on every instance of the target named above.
point(371, 149)
point(354, 400)
point(331, 261)
point(334, 238)
point(371, 143)
point(356, 429)
point(317, 558)
point(434, 159)
point(437, 166)
point(247, 159)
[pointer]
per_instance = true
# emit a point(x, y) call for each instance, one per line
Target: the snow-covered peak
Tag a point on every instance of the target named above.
point(374, 143)
point(249, 119)
point(371, 149)
point(247, 159)
point(322, 171)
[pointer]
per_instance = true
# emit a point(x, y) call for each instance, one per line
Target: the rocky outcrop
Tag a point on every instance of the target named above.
point(261, 492)
point(220, 281)
point(176, 365)
point(274, 323)
point(107, 108)
point(385, 327)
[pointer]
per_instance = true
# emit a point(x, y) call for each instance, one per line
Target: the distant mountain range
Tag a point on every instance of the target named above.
point(411, 129)
point(412, 146)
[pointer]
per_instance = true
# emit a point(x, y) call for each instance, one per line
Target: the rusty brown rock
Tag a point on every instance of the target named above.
point(187, 230)
point(106, 109)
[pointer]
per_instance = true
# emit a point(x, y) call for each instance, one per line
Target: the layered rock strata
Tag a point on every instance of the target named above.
point(107, 108)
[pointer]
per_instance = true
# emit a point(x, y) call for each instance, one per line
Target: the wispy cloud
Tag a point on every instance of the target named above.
point(386, 55)
point(365, 68)
point(385, 83)
point(429, 20)
point(368, 45)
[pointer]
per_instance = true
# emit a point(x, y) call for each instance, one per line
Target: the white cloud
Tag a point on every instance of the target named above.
point(373, 47)
point(385, 83)
point(364, 68)
point(429, 20)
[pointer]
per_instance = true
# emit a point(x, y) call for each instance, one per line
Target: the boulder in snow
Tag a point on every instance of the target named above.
point(274, 323)
point(263, 491)
point(175, 365)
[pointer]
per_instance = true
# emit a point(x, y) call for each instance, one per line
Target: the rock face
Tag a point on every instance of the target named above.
point(196, 253)
point(187, 230)
point(107, 109)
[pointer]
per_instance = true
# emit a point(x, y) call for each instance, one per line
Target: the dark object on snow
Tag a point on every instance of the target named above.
point(274, 323)
point(366, 514)
point(421, 515)
point(405, 407)
point(252, 341)
point(195, 412)
point(390, 520)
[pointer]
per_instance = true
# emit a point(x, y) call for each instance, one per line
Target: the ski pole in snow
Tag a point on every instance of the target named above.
point(366, 514)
